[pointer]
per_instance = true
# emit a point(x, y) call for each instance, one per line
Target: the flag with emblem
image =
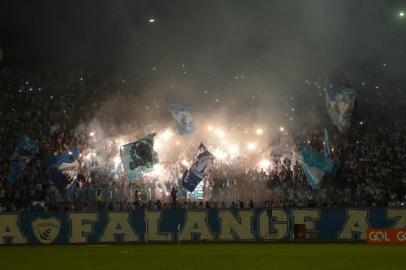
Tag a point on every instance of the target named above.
point(139, 157)
point(340, 101)
point(64, 169)
point(181, 114)
point(25, 151)
point(340, 105)
point(199, 169)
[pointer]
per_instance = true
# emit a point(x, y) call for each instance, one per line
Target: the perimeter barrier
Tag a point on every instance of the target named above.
point(185, 225)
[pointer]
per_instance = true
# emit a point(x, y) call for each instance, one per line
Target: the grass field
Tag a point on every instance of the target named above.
point(205, 256)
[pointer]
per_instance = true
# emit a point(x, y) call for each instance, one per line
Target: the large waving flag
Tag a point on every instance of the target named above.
point(139, 157)
point(181, 114)
point(64, 169)
point(315, 165)
point(25, 151)
point(326, 144)
point(340, 102)
point(199, 169)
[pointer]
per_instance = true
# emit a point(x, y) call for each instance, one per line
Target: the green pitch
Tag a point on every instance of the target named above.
point(204, 256)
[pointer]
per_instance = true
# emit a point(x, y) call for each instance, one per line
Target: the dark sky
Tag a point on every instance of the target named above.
point(209, 34)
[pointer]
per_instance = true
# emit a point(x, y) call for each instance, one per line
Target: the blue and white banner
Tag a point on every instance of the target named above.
point(139, 157)
point(340, 102)
point(181, 114)
point(199, 169)
point(257, 224)
point(64, 169)
point(25, 151)
point(314, 165)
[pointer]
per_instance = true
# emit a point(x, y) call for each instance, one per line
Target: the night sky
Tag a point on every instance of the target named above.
point(206, 34)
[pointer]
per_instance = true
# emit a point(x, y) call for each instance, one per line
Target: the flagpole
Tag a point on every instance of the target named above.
point(178, 233)
point(146, 232)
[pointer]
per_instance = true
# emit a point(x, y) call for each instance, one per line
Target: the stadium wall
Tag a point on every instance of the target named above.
point(260, 224)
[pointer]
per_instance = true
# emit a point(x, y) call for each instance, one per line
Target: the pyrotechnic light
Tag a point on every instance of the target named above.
point(167, 134)
point(264, 164)
point(185, 163)
point(151, 20)
point(219, 154)
point(70, 153)
point(233, 149)
point(220, 133)
point(117, 160)
point(401, 14)
point(157, 145)
point(259, 131)
point(281, 129)
point(89, 156)
point(91, 134)
point(210, 128)
point(177, 142)
point(157, 170)
point(251, 146)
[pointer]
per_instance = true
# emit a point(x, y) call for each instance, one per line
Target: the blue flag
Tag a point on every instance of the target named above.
point(139, 157)
point(63, 169)
point(326, 144)
point(314, 165)
point(25, 151)
point(199, 169)
point(340, 105)
point(181, 114)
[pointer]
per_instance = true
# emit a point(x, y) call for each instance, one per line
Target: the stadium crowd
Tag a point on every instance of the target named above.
point(49, 105)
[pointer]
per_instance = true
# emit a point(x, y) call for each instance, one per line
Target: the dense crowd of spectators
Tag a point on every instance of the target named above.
point(50, 105)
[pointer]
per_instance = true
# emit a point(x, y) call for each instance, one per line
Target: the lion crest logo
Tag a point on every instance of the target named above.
point(46, 230)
